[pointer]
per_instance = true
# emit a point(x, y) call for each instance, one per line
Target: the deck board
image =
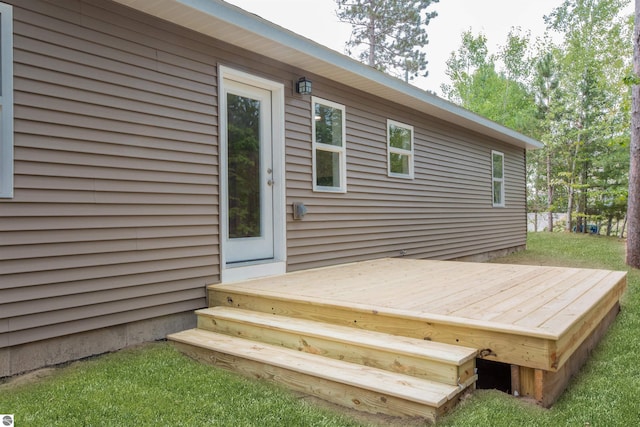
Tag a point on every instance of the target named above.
point(554, 294)
point(578, 307)
point(478, 293)
point(568, 296)
point(491, 306)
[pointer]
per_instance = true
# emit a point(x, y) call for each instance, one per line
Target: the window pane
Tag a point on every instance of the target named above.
point(327, 168)
point(497, 192)
point(328, 125)
point(243, 146)
point(497, 166)
point(400, 137)
point(399, 163)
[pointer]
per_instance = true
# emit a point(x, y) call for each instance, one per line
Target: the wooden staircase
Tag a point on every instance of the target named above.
point(361, 369)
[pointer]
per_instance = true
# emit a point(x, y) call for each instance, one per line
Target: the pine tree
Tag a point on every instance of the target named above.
point(389, 35)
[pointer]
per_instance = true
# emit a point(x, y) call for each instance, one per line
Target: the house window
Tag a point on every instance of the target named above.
point(329, 146)
point(497, 167)
point(6, 101)
point(399, 150)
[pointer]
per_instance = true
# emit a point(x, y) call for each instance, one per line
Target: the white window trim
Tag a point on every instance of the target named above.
point(401, 151)
point(6, 102)
point(327, 147)
point(494, 179)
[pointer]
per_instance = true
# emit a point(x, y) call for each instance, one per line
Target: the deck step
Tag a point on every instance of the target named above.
point(352, 385)
point(445, 363)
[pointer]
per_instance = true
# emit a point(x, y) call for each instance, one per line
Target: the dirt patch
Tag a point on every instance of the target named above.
point(28, 378)
point(39, 374)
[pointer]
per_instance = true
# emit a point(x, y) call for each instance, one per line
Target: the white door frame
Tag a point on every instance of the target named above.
point(277, 265)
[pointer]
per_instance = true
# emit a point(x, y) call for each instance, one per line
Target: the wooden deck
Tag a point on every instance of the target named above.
point(543, 321)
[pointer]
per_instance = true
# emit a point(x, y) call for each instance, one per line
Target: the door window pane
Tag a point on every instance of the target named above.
point(243, 149)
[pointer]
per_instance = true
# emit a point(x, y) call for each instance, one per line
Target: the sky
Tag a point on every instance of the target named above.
point(316, 20)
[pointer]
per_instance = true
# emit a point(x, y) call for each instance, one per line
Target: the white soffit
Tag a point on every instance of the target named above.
point(235, 26)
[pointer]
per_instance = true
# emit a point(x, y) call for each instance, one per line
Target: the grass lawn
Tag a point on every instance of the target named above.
point(155, 385)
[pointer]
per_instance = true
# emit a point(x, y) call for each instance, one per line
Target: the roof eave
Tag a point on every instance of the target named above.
point(238, 27)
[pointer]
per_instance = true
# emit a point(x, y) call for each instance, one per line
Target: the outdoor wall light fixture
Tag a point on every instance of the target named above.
point(303, 86)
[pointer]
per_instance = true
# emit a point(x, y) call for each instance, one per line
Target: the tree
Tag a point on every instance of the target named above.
point(478, 85)
point(393, 33)
point(610, 182)
point(592, 67)
point(569, 95)
point(633, 209)
point(470, 57)
point(546, 90)
point(499, 88)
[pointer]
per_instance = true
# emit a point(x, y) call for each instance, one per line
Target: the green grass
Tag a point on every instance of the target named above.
point(155, 385)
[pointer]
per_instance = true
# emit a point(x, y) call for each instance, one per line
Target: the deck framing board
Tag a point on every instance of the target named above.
point(436, 361)
point(588, 321)
point(546, 386)
point(530, 351)
point(396, 396)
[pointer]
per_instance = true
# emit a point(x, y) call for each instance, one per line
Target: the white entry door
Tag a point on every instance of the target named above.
point(248, 175)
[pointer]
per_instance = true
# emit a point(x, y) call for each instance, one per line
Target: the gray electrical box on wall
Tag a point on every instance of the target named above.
point(299, 210)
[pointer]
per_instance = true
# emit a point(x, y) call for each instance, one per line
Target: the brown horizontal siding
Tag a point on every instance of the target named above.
point(116, 317)
point(86, 310)
point(143, 279)
point(401, 238)
point(443, 250)
point(26, 314)
point(445, 212)
point(115, 185)
point(415, 230)
point(25, 237)
point(104, 223)
point(440, 245)
point(115, 214)
point(90, 279)
point(105, 247)
point(88, 263)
